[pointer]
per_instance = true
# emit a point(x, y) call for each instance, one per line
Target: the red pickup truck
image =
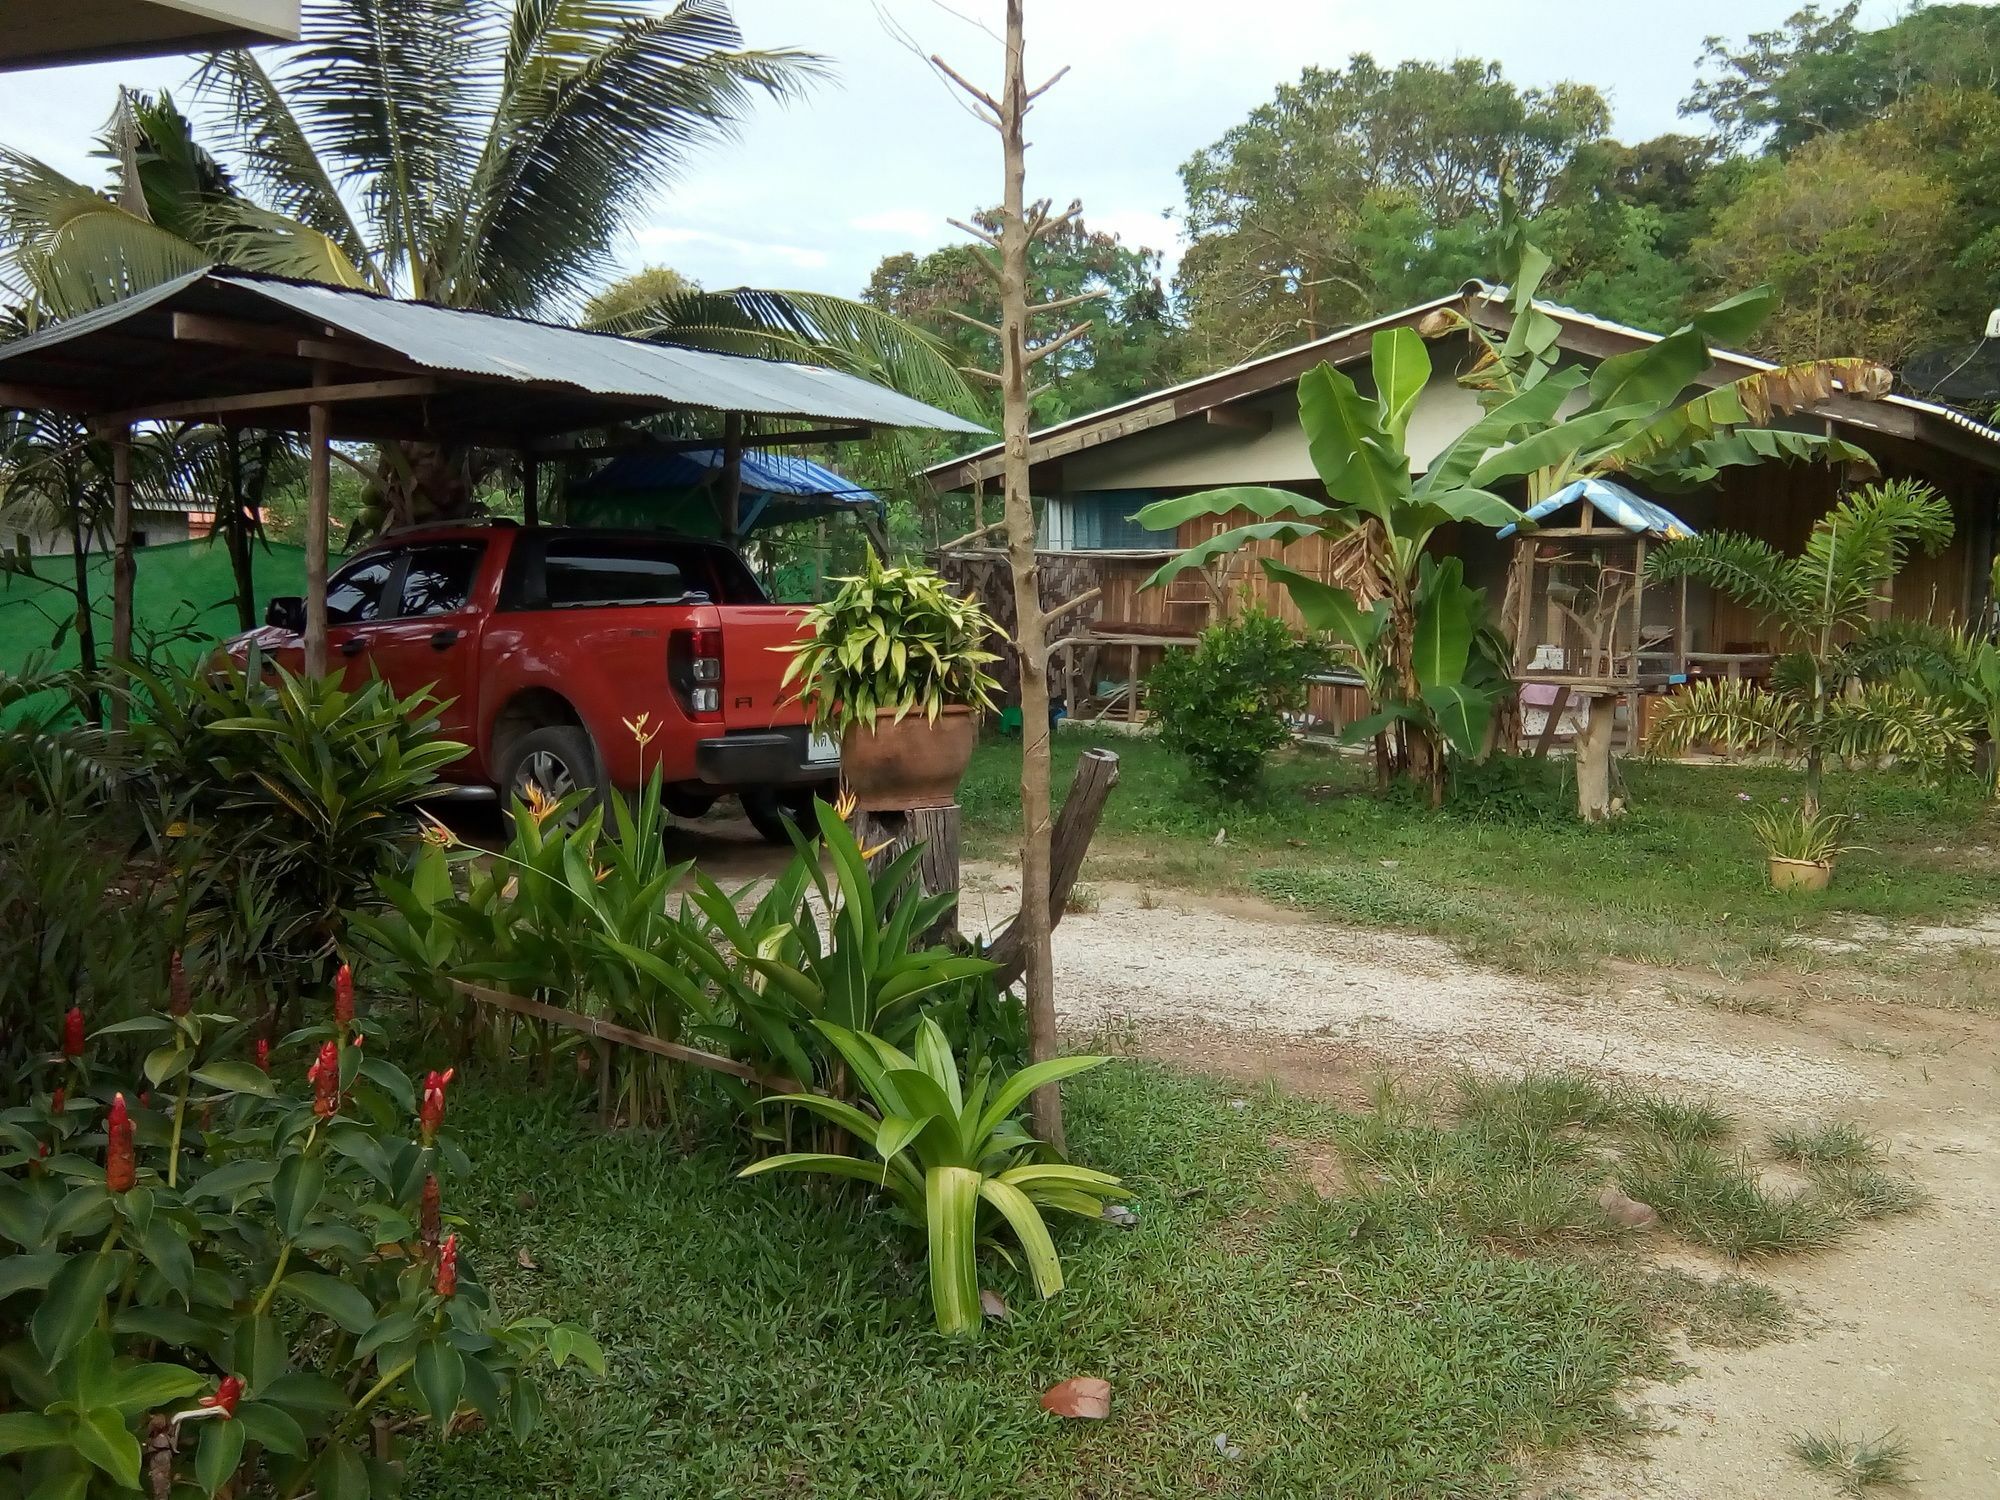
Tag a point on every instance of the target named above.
point(546, 643)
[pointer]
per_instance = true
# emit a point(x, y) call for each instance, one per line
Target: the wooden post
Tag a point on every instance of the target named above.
point(319, 493)
point(1132, 686)
point(531, 490)
point(1632, 714)
point(730, 498)
point(1593, 759)
point(1681, 628)
point(1096, 774)
point(124, 567)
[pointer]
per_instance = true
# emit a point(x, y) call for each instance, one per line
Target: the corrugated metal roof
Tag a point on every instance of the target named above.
point(516, 350)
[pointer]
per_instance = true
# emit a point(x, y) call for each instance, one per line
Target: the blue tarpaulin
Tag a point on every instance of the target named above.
point(776, 487)
point(1616, 504)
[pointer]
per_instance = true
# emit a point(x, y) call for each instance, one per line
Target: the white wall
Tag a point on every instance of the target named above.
point(158, 526)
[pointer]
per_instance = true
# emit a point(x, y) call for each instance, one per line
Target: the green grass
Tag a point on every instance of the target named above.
point(1834, 1144)
point(1507, 874)
point(1680, 1119)
point(1855, 1465)
point(1715, 1199)
point(770, 1339)
point(182, 589)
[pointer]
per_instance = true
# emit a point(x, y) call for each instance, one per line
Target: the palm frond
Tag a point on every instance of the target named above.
point(809, 327)
point(1744, 567)
point(604, 103)
point(1890, 721)
point(1858, 546)
point(1888, 649)
point(258, 122)
point(1745, 448)
point(1726, 711)
point(242, 234)
point(72, 248)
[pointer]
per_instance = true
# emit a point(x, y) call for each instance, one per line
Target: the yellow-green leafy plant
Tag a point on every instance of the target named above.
point(892, 640)
point(954, 1159)
point(1802, 833)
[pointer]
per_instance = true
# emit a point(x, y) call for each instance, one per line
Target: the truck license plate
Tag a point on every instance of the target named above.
point(821, 748)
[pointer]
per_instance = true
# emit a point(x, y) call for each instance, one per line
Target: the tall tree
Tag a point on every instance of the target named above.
point(1360, 189)
point(1020, 226)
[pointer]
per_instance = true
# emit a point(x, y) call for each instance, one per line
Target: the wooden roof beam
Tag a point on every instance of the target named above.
point(45, 398)
point(284, 343)
point(293, 396)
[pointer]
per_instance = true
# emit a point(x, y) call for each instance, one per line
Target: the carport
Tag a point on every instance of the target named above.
point(237, 348)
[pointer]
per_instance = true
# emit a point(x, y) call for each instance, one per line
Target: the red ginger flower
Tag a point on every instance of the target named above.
point(58, 1099)
point(430, 1113)
point(178, 1000)
point(343, 998)
point(120, 1171)
point(447, 1271)
point(226, 1396)
point(264, 1053)
point(428, 1212)
point(324, 1076)
point(72, 1038)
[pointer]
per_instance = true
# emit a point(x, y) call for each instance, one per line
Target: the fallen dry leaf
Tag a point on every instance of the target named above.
point(1629, 1212)
point(526, 1261)
point(993, 1305)
point(1080, 1396)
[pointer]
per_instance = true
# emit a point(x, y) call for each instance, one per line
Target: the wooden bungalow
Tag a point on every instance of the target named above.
point(1092, 474)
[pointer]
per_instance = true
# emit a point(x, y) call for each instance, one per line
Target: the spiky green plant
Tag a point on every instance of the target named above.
point(953, 1158)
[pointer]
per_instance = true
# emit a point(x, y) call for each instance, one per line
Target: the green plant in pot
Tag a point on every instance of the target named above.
point(1801, 841)
point(895, 664)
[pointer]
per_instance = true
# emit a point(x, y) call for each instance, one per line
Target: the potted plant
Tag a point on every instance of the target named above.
point(896, 666)
point(1801, 844)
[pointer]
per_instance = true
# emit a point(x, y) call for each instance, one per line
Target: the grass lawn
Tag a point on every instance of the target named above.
point(1511, 877)
point(1458, 1305)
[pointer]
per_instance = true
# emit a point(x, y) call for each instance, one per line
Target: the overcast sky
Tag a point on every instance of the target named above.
point(814, 195)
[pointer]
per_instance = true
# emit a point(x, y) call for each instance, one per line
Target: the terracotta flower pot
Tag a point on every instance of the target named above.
point(1800, 874)
point(889, 766)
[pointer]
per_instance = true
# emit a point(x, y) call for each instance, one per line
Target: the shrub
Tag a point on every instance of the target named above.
point(226, 1285)
point(1518, 790)
point(1221, 706)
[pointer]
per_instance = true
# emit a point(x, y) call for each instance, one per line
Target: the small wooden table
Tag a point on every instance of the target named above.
point(1593, 745)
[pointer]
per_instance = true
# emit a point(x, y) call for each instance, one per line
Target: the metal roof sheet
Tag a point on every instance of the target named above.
point(531, 354)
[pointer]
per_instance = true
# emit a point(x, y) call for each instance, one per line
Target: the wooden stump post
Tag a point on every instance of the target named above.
point(936, 828)
point(1076, 825)
point(1593, 759)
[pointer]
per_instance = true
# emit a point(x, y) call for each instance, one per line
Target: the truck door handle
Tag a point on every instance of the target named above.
point(352, 646)
point(443, 638)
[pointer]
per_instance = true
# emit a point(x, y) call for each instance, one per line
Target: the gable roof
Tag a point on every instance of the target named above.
point(1479, 302)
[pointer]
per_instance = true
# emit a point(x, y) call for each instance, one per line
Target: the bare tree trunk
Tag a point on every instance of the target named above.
point(235, 522)
point(124, 568)
point(319, 488)
point(1030, 634)
point(86, 619)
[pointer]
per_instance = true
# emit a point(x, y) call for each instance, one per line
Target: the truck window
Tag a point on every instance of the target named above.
point(354, 594)
point(439, 578)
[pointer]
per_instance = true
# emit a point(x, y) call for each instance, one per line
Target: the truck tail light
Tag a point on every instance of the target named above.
point(694, 667)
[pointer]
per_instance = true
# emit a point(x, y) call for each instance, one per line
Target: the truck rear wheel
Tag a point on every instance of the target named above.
point(558, 759)
point(767, 808)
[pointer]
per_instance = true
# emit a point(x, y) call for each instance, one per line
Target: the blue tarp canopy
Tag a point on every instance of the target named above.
point(776, 487)
point(1616, 504)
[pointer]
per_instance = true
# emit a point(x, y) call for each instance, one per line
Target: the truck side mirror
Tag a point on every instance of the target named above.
point(287, 612)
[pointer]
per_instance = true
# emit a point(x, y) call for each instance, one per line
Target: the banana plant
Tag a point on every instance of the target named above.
point(1433, 667)
point(953, 1158)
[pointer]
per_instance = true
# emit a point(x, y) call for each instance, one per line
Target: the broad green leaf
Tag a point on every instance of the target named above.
point(75, 1298)
point(143, 1387)
point(258, 1352)
point(161, 1243)
point(897, 1131)
point(1259, 500)
point(1328, 607)
point(1203, 553)
point(1402, 367)
point(1462, 713)
point(28, 1273)
point(101, 1438)
point(1730, 323)
point(1533, 409)
point(524, 1409)
point(1556, 446)
point(236, 1078)
point(1016, 1089)
point(272, 1426)
point(440, 1379)
point(233, 1178)
point(295, 1192)
point(25, 1431)
point(164, 1064)
point(392, 1329)
point(951, 1197)
point(218, 1454)
point(340, 1474)
point(345, 1304)
point(1447, 619)
point(1650, 377)
point(1357, 461)
point(1026, 1221)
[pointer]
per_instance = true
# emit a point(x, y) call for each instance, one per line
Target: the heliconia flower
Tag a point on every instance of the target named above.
point(226, 1396)
point(428, 1212)
point(120, 1171)
point(264, 1053)
point(343, 998)
point(72, 1038)
point(179, 1001)
point(447, 1270)
point(430, 1113)
point(324, 1076)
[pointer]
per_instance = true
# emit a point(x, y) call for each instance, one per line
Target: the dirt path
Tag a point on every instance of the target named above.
point(1897, 1325)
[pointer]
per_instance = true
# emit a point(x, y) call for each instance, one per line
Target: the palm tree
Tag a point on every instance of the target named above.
point(1822, 703)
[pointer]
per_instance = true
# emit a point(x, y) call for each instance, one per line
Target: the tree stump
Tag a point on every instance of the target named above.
point(1593, 759)
point(936, 828)
point(1076, 825)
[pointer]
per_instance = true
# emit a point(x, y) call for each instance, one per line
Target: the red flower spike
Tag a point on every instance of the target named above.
point(430, 1113)
point(58, 1099)
point(343, 998)
point(179, 1002)
point(429, 1211)
point(264, 1053)
point(145, 1098)
point(120, 1170)
point(447, 1271)
point(72, 1038)
point(226, 1396)
point(324, 1076)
